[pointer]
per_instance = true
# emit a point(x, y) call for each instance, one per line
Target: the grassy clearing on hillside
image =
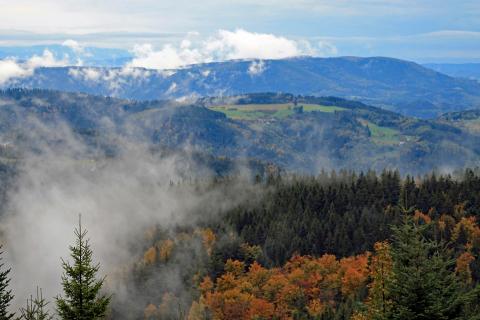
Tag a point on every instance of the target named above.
point(257, 111)
point(317, 107)
point(383, 135)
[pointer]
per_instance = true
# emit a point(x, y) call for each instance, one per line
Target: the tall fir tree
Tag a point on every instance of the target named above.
point(424, 284)
point(6, 295)
point(83, 300)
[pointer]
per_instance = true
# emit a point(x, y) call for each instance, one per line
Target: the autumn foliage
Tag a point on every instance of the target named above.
point(304, 286)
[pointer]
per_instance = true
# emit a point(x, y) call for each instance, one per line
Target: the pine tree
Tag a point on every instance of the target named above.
point(6, 295)
point(36, 308)
point(424, 285)
point(82, 290)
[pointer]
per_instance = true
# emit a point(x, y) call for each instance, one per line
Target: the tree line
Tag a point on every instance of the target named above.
point(345, 213)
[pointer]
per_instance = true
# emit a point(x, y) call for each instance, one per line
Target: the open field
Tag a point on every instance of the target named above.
point(256, 111)
point(382, 135)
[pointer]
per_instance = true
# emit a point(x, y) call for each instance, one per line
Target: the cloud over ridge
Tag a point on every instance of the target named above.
point(12, 68)
point(225, 45)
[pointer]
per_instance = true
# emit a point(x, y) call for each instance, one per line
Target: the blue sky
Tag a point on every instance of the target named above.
point(424, 31)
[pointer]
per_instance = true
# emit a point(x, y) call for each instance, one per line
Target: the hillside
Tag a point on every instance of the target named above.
point(297, 133)
point(393, 84)
point(468, 120)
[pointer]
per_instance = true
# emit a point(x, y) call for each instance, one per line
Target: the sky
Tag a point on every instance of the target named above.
point(165, 33)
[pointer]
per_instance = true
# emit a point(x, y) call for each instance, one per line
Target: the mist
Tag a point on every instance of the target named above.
point(119, 198)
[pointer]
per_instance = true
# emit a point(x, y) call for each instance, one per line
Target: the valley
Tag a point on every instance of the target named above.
point(239, 160)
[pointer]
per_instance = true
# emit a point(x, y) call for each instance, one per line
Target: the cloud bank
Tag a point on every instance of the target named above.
point(12, 68)
point(222, 46)
point(225, 45)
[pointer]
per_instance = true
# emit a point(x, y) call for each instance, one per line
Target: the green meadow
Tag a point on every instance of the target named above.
point(382, 135)
point(279, 111)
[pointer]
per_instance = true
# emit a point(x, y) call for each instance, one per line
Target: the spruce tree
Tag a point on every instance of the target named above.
point(82, 300)
point(36, 308)
point(424, 284)
point(6, 295)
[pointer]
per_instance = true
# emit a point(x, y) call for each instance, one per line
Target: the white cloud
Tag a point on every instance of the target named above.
point(46, 60)
point(74, 45)
point(224, 45)
point(93, 74)
point(87, 74)
point(168, 57)
point(11, 68)
point(256, 68)
point(133, 72)
point(241, 44)
point(114, 78)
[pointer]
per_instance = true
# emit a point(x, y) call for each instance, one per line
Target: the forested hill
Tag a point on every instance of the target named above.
point(394, 84)
point(296, 133)
point(309, 246)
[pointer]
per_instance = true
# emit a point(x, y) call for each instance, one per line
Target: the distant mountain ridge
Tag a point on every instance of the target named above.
point(397, 85)
point(462, 70)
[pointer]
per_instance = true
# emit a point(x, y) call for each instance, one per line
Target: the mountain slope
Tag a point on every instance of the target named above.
point(468, 120)
point(393, 84)
point(298, 133)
